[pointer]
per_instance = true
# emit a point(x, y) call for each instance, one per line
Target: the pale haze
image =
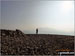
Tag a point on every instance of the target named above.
point(50, 17)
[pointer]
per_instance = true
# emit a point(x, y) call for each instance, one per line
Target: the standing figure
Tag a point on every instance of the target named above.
point(37, 31)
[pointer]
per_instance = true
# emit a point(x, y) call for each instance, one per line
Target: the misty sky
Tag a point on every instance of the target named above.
point(50, 17)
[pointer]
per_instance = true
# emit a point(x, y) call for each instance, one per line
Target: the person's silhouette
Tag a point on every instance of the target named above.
point(37, 31)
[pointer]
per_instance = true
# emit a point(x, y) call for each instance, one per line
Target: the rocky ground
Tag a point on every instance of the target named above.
point(15, 42)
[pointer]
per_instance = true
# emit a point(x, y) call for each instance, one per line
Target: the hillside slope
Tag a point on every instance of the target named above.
point(17, 43)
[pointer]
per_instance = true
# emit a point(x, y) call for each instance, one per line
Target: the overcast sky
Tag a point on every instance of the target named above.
point(48, 16)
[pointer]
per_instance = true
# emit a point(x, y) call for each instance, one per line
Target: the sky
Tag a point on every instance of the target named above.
point(50, 17)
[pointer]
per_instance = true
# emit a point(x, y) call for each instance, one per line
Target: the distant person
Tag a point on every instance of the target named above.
point(37, 31)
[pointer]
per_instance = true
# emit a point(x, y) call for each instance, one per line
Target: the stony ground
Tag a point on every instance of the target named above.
point(15, 42)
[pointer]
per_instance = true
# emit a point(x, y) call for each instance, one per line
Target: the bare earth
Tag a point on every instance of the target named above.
point(15, 42)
